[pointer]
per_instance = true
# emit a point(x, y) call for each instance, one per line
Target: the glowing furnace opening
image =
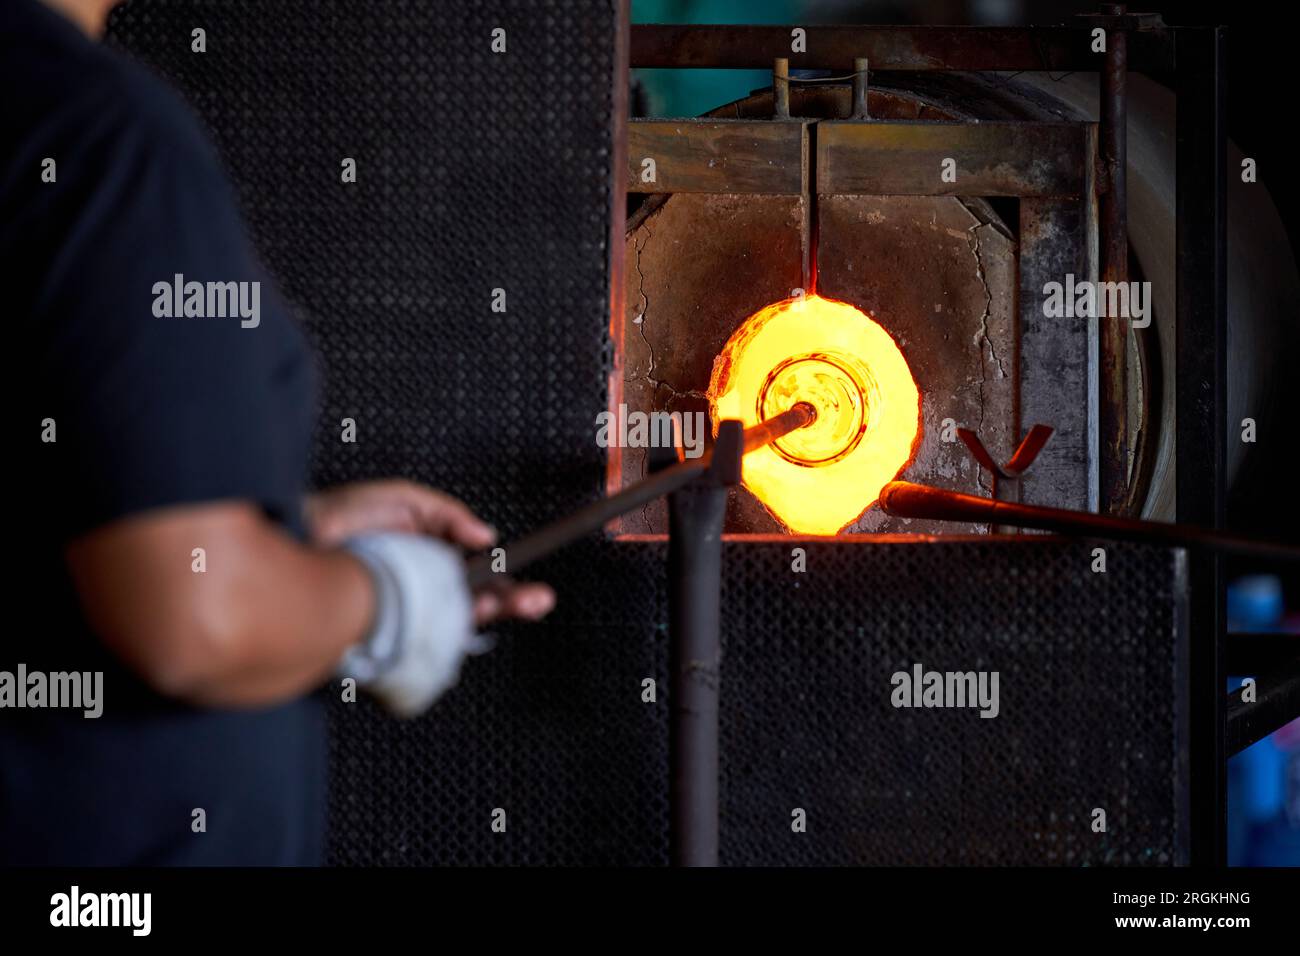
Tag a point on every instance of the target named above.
point(834, 356)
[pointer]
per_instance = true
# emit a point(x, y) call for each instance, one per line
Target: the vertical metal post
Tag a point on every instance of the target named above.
point(616, 251)
point(1113, 136)
point(781, 87)
point(695, 518)
point(1201, 411)
point(860, 109)
point(1053, 242)
point(811, 208)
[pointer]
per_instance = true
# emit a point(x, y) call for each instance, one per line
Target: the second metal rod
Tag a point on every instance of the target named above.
point(908, 500)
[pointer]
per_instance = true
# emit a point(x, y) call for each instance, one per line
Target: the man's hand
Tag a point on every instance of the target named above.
point(336, 514)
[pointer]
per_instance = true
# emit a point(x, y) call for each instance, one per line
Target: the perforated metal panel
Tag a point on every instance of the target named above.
point(479, 171)
point(551, 726)
point(1087, 704)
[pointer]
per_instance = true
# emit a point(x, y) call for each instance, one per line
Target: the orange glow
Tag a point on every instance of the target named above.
point(821, 477)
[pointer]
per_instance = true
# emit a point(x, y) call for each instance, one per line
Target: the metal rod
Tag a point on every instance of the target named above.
point(812, 223)
point(593, 517)
point(860, 108)
point(793, 418)
point(696, 514)
point(781, 87)
point(586, 519)
point(907, 500)
point(1113, 141)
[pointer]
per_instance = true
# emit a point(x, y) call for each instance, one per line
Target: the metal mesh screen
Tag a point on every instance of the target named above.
point(551, 726)
point(1087, 716)
point(479, 171)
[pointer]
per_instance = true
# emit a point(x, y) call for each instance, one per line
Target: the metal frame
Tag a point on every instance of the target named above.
point(1048, 166)
point(1031, 160)
point(1112, 200)
point(1201, 412)
point(1197, 56)
point(910, 48)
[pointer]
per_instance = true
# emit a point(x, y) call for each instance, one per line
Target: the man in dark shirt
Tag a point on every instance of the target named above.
point(163, 537)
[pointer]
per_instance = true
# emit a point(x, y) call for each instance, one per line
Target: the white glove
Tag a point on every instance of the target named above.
point(423, 621)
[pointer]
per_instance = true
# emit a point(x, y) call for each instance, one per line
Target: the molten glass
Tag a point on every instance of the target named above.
point(821, 477)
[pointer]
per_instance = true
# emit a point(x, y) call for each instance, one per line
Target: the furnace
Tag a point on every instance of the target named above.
point(752, 208)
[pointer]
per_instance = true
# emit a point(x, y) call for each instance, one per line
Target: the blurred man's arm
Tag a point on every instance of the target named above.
point(267, 620)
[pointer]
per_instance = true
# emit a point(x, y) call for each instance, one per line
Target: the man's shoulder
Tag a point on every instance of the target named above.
point(65, 90)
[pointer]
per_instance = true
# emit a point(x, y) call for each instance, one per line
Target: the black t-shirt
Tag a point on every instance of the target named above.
point(146, 410)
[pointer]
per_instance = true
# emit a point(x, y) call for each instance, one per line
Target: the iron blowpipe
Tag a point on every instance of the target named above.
point(594, 516)
point(904, 499)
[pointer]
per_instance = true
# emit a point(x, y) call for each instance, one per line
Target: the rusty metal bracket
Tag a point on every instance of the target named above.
point(717, 156)
point(1014, 469)
point(996, 158)
point(859, 157)
point(1020, 461)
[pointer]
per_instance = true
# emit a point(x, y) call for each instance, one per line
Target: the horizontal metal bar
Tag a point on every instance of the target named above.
point(1277, 702)
point(1128, 22)
point(924, 48)
point(908, 158)
point(715, 156)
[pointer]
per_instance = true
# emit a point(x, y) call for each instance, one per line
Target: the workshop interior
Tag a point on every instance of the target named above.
point(810, 349)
